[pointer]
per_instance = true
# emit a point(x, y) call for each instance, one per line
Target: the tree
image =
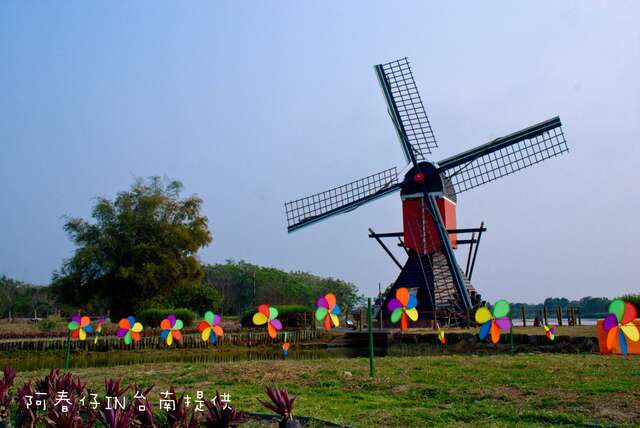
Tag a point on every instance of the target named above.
point(244, 285)
point(200, 299)
point(142, 245)
point(20, 299)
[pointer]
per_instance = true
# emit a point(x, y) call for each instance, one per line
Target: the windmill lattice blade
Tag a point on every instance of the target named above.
point(411, 115)
point(505, 155)
point(347, 197)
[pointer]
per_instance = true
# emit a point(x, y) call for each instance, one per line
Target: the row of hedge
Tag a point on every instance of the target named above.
point(287, 314)
point(154, 316)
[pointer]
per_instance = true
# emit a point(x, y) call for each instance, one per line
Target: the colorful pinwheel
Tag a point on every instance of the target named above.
point(210, 325)
point(129, 329)
point(170, 329)
point(79, 327)
point(328, 311)
point(403, 308)
point(494, 321)
point(267, 315)
point(98, 331)
point(619, 324)
point(550, 331)
point(285, 346)
point(441, 336)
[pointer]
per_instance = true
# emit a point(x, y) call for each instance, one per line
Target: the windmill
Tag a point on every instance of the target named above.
point(429, 191)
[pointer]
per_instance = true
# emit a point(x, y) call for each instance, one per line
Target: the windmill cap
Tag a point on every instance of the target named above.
point(415, 179)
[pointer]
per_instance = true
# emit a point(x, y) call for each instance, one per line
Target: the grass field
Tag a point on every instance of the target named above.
point(502, 390)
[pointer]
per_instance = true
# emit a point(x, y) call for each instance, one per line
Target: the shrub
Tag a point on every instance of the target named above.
point(287, 314)
point(52, 322)
point(200, 299)
point(153, 316)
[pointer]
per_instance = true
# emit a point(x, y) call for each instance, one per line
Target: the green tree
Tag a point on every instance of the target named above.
point(20, 299)
point(141, 246)
point(200, 299)
point(243, 285)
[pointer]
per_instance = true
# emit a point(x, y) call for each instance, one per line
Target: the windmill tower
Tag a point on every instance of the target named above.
point(429, 192)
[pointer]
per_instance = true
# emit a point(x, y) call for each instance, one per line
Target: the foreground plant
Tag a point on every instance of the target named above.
point(6, 383)
point(221, 415)
point(111, 416)
point(26, 417)
point(144, 418)
point(71, 418)
point(282, 404)
point(64, 405)
point(178, 416)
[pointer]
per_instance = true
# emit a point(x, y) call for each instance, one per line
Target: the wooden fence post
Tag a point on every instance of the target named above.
point(559, 315)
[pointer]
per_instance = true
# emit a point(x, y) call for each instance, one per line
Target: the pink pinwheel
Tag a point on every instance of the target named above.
point(619, 324)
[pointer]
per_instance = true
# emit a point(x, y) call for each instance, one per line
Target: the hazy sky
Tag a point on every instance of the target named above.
point(251, 104)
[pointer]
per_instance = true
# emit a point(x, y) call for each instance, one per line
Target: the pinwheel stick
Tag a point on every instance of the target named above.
point(67, 359)
point(372, 368)
point(511, 333)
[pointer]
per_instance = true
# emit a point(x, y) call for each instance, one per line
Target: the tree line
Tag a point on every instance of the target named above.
point(230, 288)
point(590, 307)
point(234, 287)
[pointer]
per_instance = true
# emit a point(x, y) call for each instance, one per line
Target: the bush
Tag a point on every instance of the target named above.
point(200, 299)
point(51, 323)
point(286, 314)
point(153, 316)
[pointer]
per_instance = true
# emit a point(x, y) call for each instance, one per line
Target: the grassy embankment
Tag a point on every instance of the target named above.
point(498, 390)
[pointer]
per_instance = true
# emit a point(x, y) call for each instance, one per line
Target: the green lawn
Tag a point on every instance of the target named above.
point(493, 390)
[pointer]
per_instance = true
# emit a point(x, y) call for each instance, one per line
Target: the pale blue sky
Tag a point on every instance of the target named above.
point(251, 104)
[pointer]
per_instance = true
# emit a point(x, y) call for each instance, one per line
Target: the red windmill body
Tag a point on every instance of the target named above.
point(418, 228)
